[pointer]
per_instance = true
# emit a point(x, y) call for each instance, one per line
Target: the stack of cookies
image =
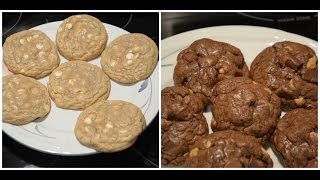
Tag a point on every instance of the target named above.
point(245, 106)
point(104, 125)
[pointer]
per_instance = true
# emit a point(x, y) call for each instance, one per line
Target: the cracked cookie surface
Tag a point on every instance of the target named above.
point(110, 126)
point(81, 38)
point(182, 123)
point(244, 105)
point(78, 84)
point(228, 149)
point(23, 100)
point(130, 58)
point(206, 62)
point(30, 53)
point(296, 138)
point(290, 70)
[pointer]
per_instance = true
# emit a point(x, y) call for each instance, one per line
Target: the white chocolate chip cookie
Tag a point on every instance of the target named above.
point(110, 126)
point(81, 38)
point(130, 58)
point(23, 99)
point(78, 84)
point(30, 53)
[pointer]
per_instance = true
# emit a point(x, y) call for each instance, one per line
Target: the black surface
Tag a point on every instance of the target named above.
point(305, 24)
point(144, 153)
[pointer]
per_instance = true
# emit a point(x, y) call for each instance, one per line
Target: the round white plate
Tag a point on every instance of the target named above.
point(54, 133)
point(249, 39)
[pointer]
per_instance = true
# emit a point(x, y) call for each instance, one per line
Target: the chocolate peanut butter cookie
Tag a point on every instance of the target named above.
point(290, 70)
point(206, 62)
point(296, 138)
point(244, 105)
point(182, 123)
point(228, 149)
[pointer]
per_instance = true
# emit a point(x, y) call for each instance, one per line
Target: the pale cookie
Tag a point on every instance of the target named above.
point(110, 126)
point(130, 58)
point(81, 38)
point(23, 100)
point(77, 85)
point(30, 53)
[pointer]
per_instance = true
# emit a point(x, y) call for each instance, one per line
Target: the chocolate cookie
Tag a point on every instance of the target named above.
point(290, 70)
point(182, 123)
point(206, 62)
point(228, 149)
point(246, 106)
point(179, 103)
point(296, 138)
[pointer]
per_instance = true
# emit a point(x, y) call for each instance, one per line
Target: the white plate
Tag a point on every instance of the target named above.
point(54, 134)
point(249, 39)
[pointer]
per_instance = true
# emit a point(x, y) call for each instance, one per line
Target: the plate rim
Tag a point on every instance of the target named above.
point(166, 41)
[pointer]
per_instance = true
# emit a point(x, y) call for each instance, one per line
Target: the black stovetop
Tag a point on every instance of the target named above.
point(305, 24)
point(144, 153)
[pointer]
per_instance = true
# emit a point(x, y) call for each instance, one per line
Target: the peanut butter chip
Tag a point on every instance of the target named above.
point(194, 152)
point(299, 101)
point(208, 144)
point(221, 71)
point(312, 63)
point(87, 120)
point(291, 84)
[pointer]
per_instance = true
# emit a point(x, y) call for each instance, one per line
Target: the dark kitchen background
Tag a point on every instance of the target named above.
point(305, 24)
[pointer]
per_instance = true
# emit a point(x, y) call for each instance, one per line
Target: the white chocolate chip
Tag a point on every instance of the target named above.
point(108, 125)
point(58, 73)
point(87, 120)
point(86, 129)
point(21, 91)
point(112, 63)
point(39, 46)
point(68, 25)
point(123, 131)
point(41, 53)
point(312, 63)
point(129, 55)
point(35, 36)
point(22, 41)
point(26, 56)
point(89, 36)
point(22, 70)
